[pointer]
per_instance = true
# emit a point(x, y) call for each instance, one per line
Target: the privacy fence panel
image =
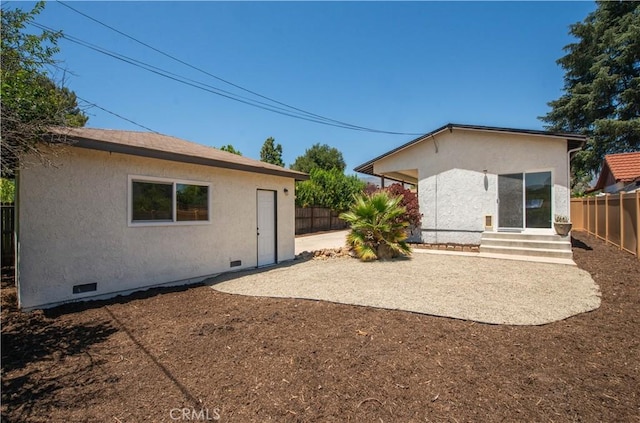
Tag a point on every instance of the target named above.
point(601, 223)
point(630, 224)
point(614, 218)
point(317, 219)
point(578, 214)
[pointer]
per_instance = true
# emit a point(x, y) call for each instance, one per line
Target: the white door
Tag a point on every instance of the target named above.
point(266, 227)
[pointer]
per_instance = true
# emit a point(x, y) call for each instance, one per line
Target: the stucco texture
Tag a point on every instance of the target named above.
point(458, 173)
point(74, 226)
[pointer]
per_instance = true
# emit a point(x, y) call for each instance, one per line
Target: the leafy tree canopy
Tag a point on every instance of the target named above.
point(601, 85)
point(229, 149)
point(31, 101)
point(328, 188)
point(320, 156)
point(271, 152)
point(7, 191)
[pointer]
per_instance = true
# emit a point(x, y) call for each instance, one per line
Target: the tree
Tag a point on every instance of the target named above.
point(31, 102)
point(271, 153)
point(7, 191)
point(328, 188)
point(601, 86)
point(376, 230)
point(229, 149)
point(319, 156)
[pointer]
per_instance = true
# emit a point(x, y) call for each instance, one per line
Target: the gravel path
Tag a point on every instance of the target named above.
point(470, 288)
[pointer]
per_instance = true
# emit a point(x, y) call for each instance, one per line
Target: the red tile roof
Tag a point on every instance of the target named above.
point(150, 144)
point(623, 167)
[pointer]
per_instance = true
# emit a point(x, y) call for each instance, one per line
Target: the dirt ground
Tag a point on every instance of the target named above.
point(196, 355)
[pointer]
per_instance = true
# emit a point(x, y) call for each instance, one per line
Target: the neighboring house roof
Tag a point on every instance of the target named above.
point(158, 146)
point(623, 167)
point(573, 140)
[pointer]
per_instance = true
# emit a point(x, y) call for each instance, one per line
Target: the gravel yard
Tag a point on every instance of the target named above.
point(471, 288)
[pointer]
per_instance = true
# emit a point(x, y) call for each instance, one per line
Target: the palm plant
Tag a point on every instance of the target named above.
point(376, 231)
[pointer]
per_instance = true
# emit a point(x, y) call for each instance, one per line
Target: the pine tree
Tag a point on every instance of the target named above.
point(271, 152)
point(601, 85)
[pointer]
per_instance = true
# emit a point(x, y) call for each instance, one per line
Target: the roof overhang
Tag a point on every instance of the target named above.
point(573, 140)
point(99, 145)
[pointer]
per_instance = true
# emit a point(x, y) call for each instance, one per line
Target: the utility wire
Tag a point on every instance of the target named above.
point(208, 88)
point(314, 115)
point(115, 114)
point(197, 68)
point(147, 66)
point(102, 108)
point(195, 84)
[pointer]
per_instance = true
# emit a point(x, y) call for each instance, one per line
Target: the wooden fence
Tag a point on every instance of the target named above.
point(316, 219)
point(614, 218)
point(8, 235)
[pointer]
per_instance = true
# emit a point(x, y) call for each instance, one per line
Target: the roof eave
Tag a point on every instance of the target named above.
point(573, 141)
point(183, 158)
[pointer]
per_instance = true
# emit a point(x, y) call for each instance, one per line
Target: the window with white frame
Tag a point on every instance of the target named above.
point(166, 201)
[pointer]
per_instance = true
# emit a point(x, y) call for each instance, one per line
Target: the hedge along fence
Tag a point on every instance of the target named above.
point(614, 218)
point(316, 219)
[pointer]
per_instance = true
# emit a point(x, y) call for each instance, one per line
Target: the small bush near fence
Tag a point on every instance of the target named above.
point(614, 218)
point(317, 219)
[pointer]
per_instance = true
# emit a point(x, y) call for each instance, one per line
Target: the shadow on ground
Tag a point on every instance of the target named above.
point(34, 341)
point(576, 243)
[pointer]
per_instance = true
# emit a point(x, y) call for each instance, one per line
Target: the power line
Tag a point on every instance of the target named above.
point(115, 114)
point(209, 88)
point(316, 117)
point(102, 108)
point(189, 82)
point(197, 68)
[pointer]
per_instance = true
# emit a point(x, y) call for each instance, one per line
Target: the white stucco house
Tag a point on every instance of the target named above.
point(121, 211)
point(476, 183)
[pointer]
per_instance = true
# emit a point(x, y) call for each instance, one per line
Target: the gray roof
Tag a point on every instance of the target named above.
point(158, 146)
point(573, 140)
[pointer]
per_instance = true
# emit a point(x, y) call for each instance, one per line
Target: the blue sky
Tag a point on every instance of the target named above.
point(403, 67)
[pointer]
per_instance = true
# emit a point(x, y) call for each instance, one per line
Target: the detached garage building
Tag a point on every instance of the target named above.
point(122, 211)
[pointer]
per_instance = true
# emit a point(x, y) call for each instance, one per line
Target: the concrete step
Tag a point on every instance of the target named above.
point(537, 259)
point(523, 251)
point(527, 243)
point(525, 236)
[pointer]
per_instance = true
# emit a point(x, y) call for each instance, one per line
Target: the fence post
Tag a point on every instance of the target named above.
point(588, 216)
point(606, 218)
point(595, 210)
point(621, 221)
point(638, 224)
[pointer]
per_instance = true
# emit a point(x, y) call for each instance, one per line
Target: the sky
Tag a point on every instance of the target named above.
point(404, 67)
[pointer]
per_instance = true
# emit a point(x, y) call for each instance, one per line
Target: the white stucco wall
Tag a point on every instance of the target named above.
point(453, 192)
point(74, 227)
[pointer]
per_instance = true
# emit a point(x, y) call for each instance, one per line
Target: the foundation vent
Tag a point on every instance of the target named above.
point(87, 287)
point(488, 222)
point(236, 263)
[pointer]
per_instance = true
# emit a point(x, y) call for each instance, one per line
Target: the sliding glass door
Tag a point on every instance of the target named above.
point(510, 197)
point(538, 197)
point(524, 200)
